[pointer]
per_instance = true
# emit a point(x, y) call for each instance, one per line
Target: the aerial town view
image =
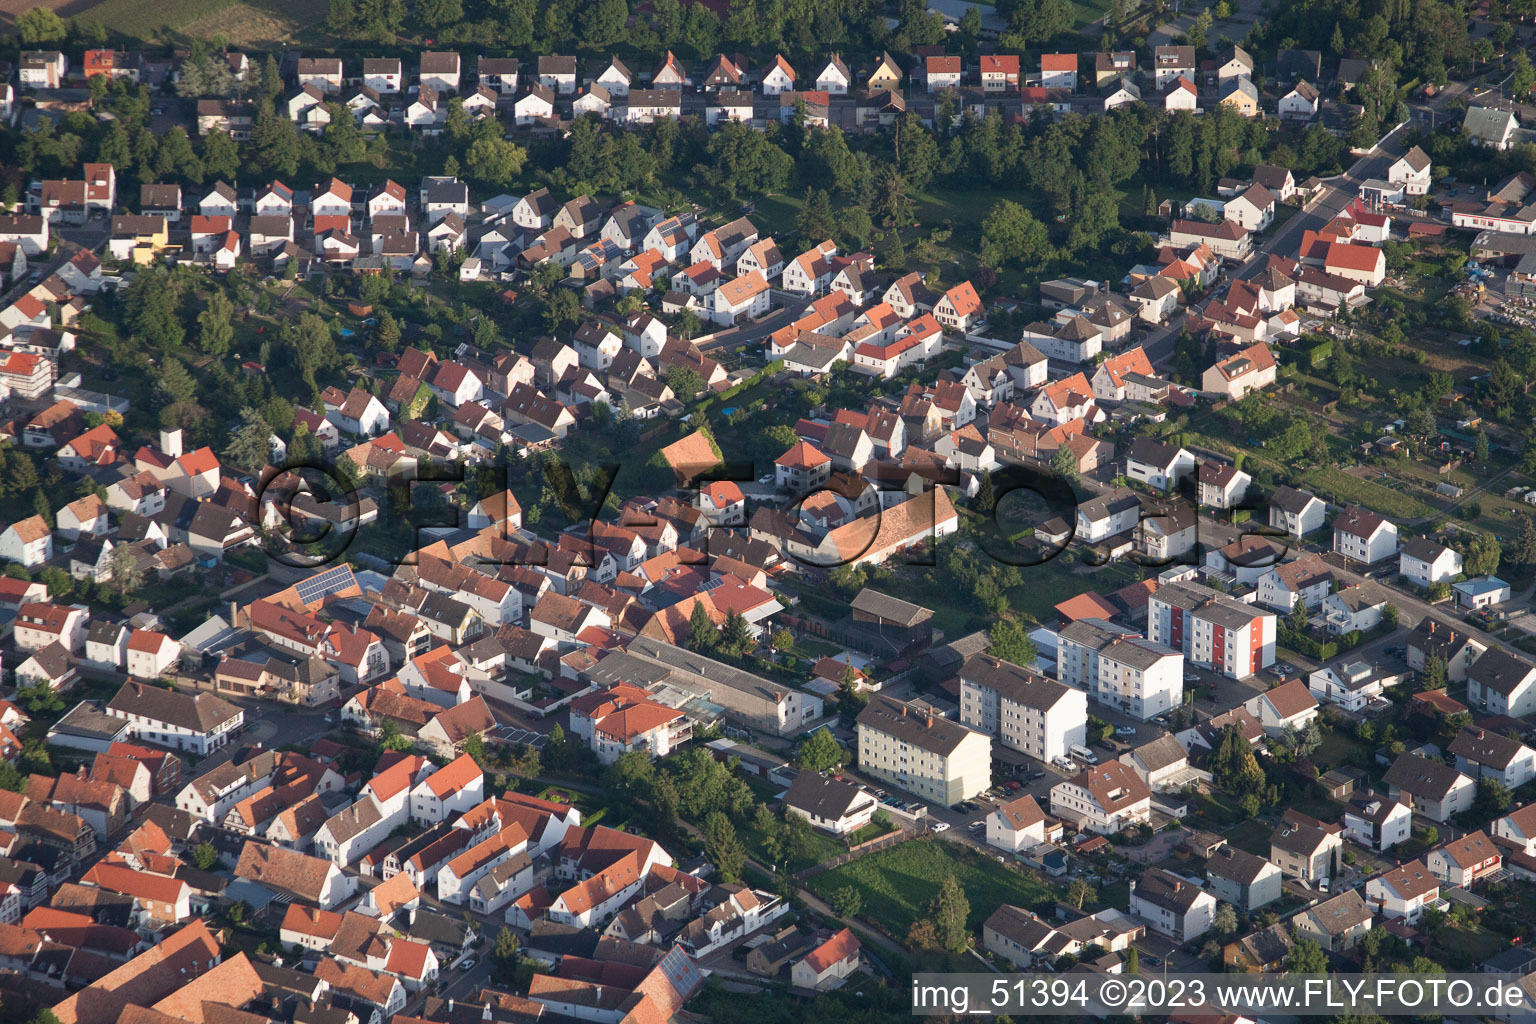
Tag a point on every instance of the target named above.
point(688, 511)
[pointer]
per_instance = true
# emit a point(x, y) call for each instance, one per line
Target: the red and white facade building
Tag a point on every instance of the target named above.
point(1212, 630)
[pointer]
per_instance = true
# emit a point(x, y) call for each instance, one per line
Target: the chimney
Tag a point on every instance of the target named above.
point(170, 443)
point(903, 711)
point(930, 718)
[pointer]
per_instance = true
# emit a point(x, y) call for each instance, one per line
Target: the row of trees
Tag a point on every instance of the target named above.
point(802, 29)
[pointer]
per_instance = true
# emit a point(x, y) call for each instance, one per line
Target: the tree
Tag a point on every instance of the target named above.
point(1235, 768)
point(986, 495)
point(815, 222)
point(123, 566)
point(1080, 892)
point(250, 446)
point(1306, 957)
point(494, 161)
point(1523, 552)
point(176, 158)
point(507, 956)
point(560, 309)
point(845, 901)
point(1009, 641)
point(922, 935)
point(949, 911)
point(1480, 554)
point(1225, 919)
point(684, 381)
point(40, 698)
point(215, 328)
point(1064, 465)
point(1493, 798)
point(221, 158)
point(1523, 75)
point(723, 847)
point(736, 636)
point(152, 309)
point(312, 346)
point(1011, 234)
point(39, 26)
point(703, 636)
point(386, 333)
point(204, 856)
point(820, 752)
point(1435, 675)
point(174, 384)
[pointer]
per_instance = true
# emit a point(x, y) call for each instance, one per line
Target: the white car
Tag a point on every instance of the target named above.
point(942, 826)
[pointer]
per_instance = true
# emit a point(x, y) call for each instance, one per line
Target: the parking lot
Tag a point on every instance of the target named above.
point(517, 735)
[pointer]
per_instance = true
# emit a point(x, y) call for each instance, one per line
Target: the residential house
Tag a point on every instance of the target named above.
point(1171, 906)
point(1432, 788)
point(1364, 536)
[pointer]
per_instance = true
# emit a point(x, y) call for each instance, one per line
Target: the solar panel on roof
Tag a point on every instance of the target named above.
point(323, 584)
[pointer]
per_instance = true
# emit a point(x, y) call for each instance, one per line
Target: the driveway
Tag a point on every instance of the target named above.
point(1160, 847)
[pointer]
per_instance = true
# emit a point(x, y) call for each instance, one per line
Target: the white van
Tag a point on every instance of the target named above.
point(1082, 754)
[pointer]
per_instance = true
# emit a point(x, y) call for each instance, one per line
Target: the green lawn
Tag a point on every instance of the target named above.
point(897, 884)
point(817, 848)
point(1251, 835)
point(1216, 809)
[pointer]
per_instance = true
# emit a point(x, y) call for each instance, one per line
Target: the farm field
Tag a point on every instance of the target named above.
point(244, 23)
point(259, 22)
point(10, 10)
point(146, 19)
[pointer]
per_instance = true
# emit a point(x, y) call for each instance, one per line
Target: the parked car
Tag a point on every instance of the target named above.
point(1125, 730)
point(977, 826)
point(467, 966)
point(942, 826)
point(1013, 785)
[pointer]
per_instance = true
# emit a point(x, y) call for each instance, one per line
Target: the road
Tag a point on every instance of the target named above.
point(1337, 192)
point(740, 337)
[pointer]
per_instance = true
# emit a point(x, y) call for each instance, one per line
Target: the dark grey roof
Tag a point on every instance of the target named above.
point(1500, 671)
point(823, 797)
point(1152, 452)
point(894, 718)
point(1161, 753)
point(200, 713)
point(893, 609)
point(1236, 865)
point(1422, 777)
point(1483, 747)
point(1162, 889)
point(1013, 682)
point(1338, 915)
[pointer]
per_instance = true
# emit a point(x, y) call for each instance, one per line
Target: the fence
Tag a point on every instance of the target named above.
point(875, 845)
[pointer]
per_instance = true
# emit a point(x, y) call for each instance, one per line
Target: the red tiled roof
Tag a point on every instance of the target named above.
point(835, 950)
